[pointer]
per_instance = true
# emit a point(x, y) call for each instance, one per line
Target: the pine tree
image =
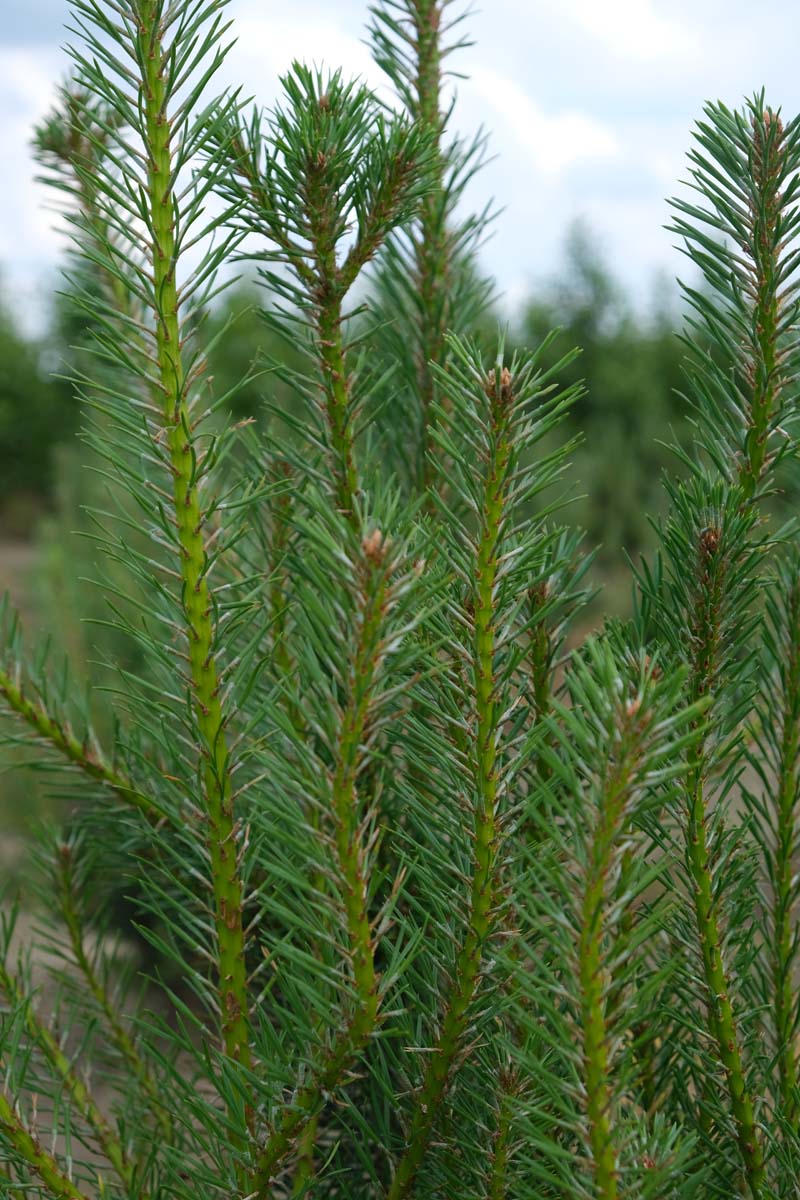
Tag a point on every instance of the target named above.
point(442, 899)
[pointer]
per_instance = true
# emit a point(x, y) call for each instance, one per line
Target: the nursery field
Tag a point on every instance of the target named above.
point(408, 692)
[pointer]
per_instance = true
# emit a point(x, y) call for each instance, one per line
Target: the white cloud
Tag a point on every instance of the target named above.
point(28, 77)
point(552, 142)
point(588, 105)
point(635, 30)
point(267, 44)
point(668, 167)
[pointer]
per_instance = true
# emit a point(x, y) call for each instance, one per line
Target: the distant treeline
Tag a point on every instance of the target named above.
point(630, 362)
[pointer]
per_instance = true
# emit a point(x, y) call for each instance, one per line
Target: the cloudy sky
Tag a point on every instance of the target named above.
point(589, 106)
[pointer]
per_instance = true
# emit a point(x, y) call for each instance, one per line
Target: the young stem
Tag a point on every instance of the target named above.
point(338, 404)
point(278, 600)
point(784, 948)
point(483, 890)
point(304, 1167)
point(720, 1005)
point(328, 297)
point(431, 247)
point(61, 738)
point(59, 1185)
point(497, 1183)
point(348, 840)
point(81, 1097)
point(642, 1048)
point(197, 602)
point(541, 653)
point(540, 659)
point(706, 640)
point(595, 1004)
point(122, 1040)
point(595, 1054)
point(278, 606)
point(764, 377)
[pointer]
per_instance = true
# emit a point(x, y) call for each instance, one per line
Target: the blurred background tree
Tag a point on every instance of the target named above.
point(37, 414)
point(630, 364)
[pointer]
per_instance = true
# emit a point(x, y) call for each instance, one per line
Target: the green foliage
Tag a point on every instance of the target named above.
point(580, 1017)
point(26, 445)
point(632, 367)
point(437, 905)
point(428, 282)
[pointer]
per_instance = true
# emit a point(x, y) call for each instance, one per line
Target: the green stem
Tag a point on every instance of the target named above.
point(541, 652)
point(59, 736)
point(278, 578)
point(703, 683)
point(483, 890)
point(80, 1095)
point(595, 1005)
point(278, 601)
point(643, 1052)
point(304, 1167)
point(346, 814)
point(59, 1185)
point(764, 379)
point(598, 1092)
point(338, 406)
point(717, 983)
point(189, 517)
point(122, 1040)
point(497, 1186)
point(278, 605)
point(329, 290)
point(432, 251)
point(784, 951)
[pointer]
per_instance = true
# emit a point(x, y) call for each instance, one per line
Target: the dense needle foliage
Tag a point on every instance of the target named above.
point(441, 901)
